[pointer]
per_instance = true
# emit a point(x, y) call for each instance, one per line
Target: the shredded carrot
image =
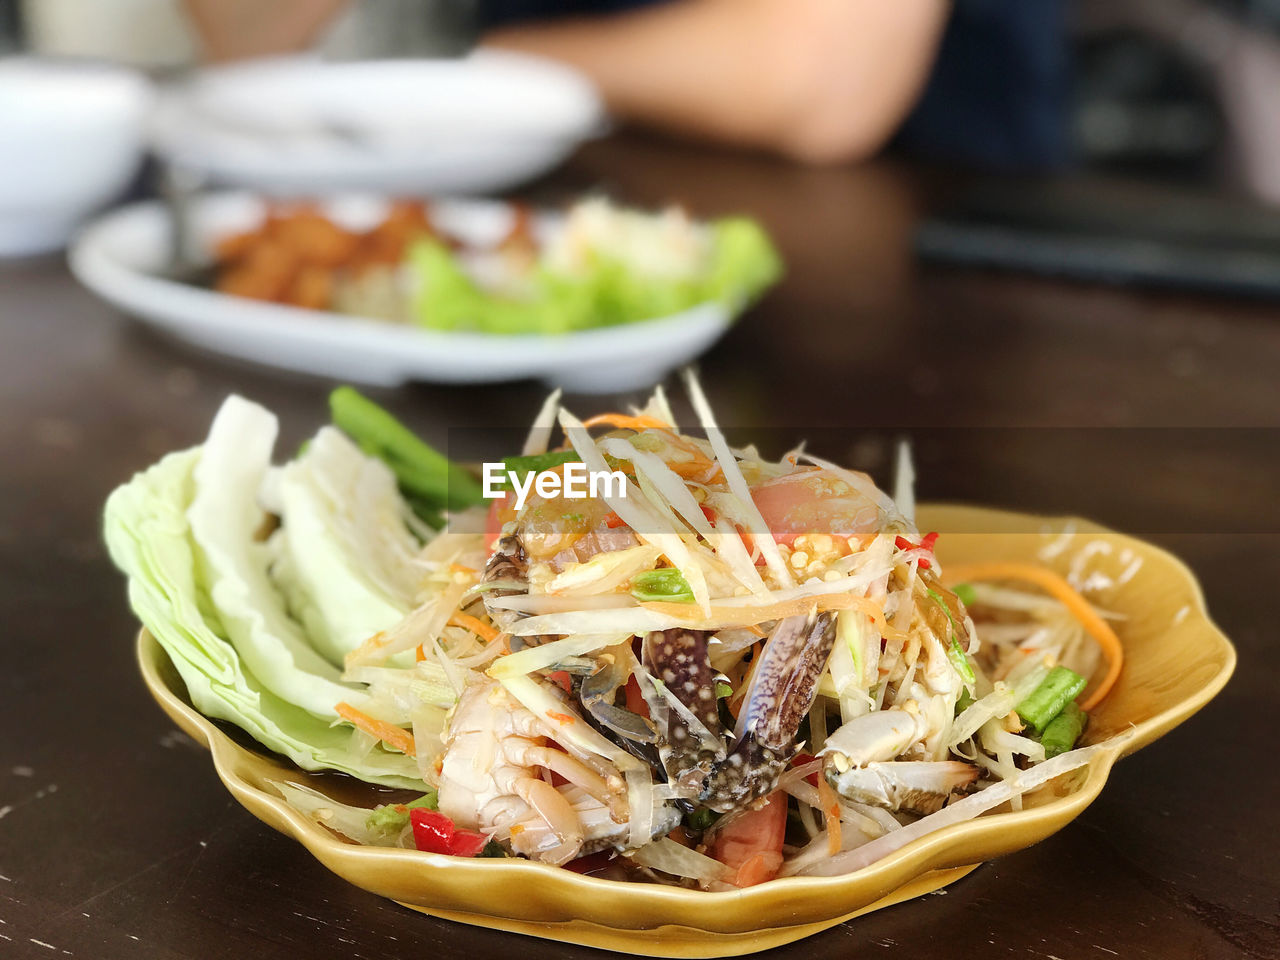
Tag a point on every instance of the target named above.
point(831, 813)
point(755, 628)
point(626, 422)
point(421, 653)
point(563, 719)
point(1062, 591)
point(459, 568)
point(393, 736)
point(475, 625)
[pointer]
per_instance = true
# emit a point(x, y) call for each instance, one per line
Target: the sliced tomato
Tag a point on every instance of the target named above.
point(432, 831)
point(814, 501)
point(499, 514)
point(635, 700)
point(751, 843)
point(562, 679)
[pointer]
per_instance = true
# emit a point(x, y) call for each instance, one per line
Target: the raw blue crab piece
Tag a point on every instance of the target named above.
point(781, 693)
point(880, 735)
point(508, 563)
point(912, 786)
point(490, 779)
point(679, 659)
point(598, 691)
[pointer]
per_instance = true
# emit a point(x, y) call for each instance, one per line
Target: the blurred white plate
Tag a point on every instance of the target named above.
point(300, 125)
point(122, 256)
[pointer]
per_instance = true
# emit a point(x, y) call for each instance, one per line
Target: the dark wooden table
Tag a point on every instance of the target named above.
point(1153, 413)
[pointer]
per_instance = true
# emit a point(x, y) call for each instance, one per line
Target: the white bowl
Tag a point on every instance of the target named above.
point(300, 125)
point(71, 139)
point(122, 256)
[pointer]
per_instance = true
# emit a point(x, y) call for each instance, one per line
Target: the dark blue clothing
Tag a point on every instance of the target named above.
point(998, 97)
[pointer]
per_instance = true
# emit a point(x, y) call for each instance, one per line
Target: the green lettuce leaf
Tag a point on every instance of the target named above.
point(609, 286)
point(149, 539)
point(448, 299)
point(744, 262)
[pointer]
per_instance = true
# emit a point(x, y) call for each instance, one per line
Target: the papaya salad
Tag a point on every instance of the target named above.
point(725, 670)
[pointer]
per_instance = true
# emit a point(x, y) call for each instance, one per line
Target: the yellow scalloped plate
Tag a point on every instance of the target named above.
point(1176, 661)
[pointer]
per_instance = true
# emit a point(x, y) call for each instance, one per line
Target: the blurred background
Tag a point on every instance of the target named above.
point(1179, 90)
point(986, 212)
point(1135, 140)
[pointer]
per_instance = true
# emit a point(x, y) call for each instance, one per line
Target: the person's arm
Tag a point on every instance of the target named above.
point(235, 29)
point(818, 80)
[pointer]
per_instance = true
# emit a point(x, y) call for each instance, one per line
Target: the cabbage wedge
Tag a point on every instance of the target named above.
point(149, 536)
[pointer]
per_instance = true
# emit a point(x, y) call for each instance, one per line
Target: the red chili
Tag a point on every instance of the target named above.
point(432, 831)
point(468, 843)
point(926, 543)
point(613, 521)
point(436, 833)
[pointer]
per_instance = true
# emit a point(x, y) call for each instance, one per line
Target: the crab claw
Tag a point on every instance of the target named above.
point(913, 786)
point(880, 735)
point(679, 658)
point(782, 691)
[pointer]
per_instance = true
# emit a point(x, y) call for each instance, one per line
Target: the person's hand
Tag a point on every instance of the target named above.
point(237, 29)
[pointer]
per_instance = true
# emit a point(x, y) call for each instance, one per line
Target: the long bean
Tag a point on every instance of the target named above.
point(1062, 732)
point(1046, 701)
point(428, 478)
